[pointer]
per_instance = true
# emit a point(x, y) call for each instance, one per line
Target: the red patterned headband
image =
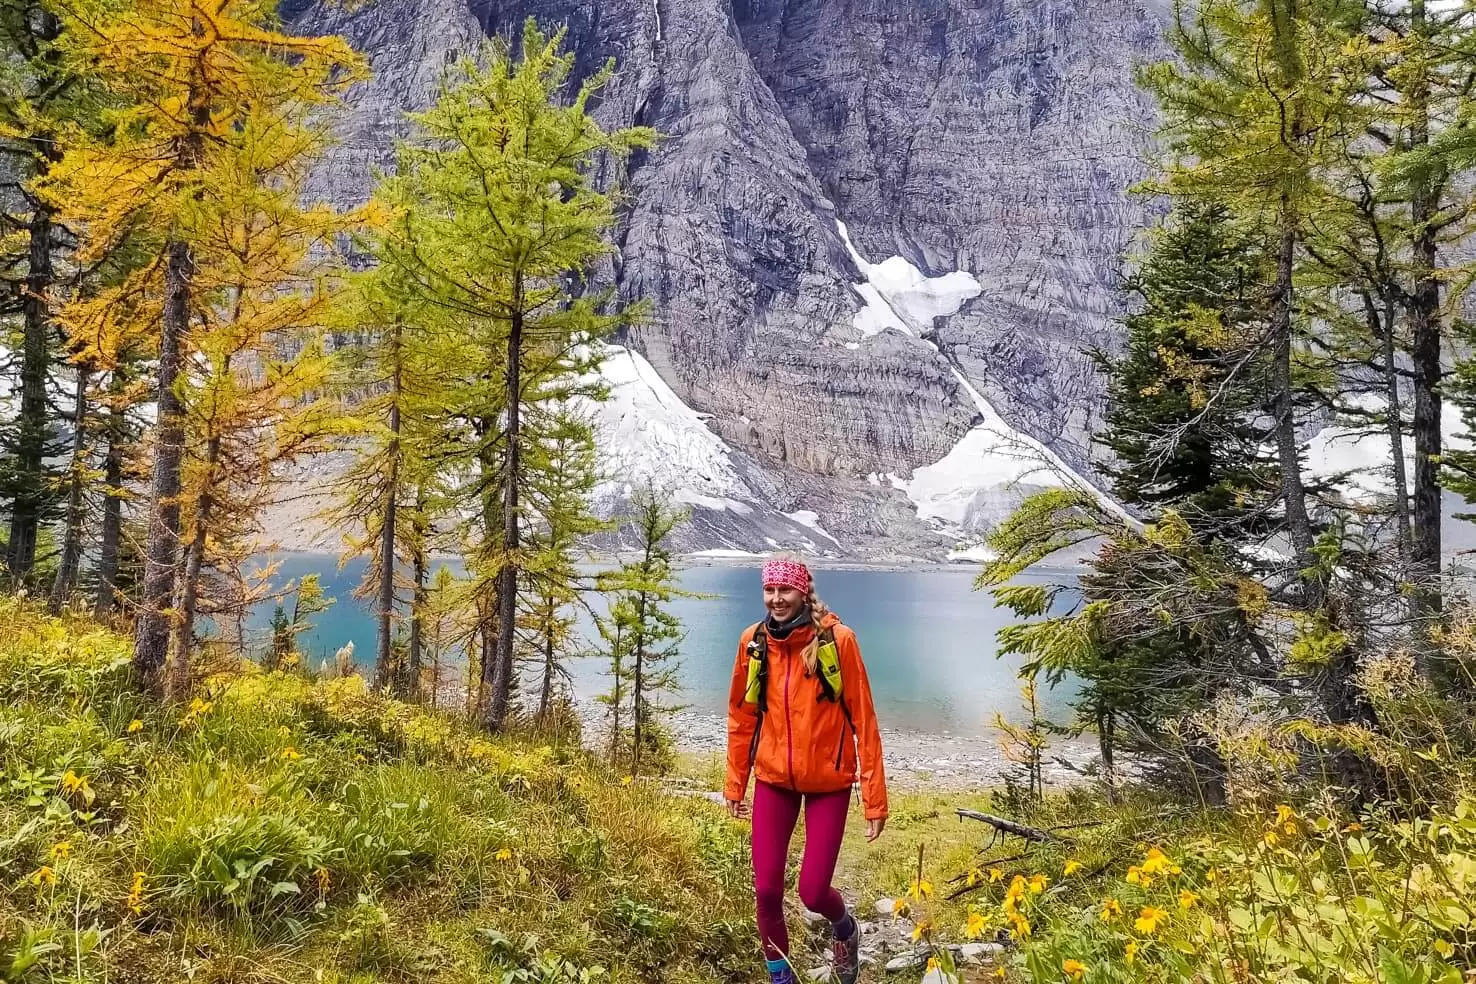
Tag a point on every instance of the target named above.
point(786, 574)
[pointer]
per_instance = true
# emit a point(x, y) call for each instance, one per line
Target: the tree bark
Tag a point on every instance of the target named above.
point(414, 656)
point(545, 698)
point(177, 679)
point(31, 489)
point(1404, 543)
point(384, 657)
point(65, 581)
point(1298, 522)
point(112, 519)
point(507, 572)
point(1425, 334)
point(161, 555)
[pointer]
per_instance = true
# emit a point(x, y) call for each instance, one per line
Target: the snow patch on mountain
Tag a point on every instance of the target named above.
point(1359, 461)
point(648, 435)
point(993, 467)
point(901, 297)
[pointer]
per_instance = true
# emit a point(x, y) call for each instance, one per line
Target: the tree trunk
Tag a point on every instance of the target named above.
point(71, 553)
point(1106, 744)
point(31, 489)
point(177, 679)
point(161, 556)
point(112, 519)
point(1403, 541)
point(1298, 523)
point(384, 673)
point(414, 655)
point(507, 572)
point(545, 695)
point(1425, 333)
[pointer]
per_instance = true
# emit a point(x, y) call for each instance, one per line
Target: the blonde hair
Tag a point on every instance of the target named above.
point(818, 610)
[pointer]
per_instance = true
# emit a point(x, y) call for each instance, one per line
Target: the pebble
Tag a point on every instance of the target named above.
point(885, 907)
point(819, 974)
point(974, 953)
point(936, 976)
point(907, 961)
point(813, 918)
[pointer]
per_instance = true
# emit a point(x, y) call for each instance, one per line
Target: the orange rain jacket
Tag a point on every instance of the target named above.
point(803, 735)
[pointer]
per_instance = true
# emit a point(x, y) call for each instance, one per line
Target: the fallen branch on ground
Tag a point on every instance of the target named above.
point(1011, 827)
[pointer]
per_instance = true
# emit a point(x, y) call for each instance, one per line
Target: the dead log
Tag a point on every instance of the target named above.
point(1025, 831)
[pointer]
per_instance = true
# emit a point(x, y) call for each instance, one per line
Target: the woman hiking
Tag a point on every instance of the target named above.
point(800, 718)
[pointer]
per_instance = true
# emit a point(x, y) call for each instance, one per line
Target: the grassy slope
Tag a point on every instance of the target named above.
point(280, 830)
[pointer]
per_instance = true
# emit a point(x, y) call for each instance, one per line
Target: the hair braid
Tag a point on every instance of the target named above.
point(817, 612)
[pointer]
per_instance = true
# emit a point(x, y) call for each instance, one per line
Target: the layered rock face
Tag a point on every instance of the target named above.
point(992, 137)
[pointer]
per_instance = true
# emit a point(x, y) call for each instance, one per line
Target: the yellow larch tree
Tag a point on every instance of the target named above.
point(217, 116)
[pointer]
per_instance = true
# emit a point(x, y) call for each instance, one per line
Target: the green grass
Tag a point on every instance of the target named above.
point(282, 830)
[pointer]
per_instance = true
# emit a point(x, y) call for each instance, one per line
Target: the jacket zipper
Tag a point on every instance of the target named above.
point(788, 717)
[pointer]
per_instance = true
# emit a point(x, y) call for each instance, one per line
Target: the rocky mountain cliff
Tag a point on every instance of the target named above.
point(878, 235)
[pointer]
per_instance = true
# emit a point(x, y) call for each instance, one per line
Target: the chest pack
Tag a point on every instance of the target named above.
point(828, 670)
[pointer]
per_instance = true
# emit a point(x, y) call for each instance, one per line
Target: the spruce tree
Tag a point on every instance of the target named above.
point(1186, 398)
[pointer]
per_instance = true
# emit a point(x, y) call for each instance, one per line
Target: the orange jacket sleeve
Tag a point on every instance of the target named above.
point(868, 732)
point(742, 721)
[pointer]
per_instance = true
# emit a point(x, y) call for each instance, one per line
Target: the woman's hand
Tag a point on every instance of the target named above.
point(874, 829)
point(737, 809)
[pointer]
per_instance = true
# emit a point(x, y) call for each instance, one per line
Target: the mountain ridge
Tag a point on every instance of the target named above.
point(961, 139)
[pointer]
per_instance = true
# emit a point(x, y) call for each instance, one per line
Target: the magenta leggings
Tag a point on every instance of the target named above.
point(775, 812)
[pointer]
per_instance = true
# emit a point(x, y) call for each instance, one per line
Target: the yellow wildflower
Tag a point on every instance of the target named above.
point(135, 894)
point(1111, 909)
point(1157, 863)
point(932, 965)
point(1285, 815)
point(135, 726)
point(1038, 883)
point(324, 879)
point(976, 927)
point(1212, 876)
point(995, 875)
point(504, 855)
point(975, 877)
point(922, 930)
point(73, 783)
point(1135, 876)
point(999, 973)
point(1353, 828)
point(60, 850)
point(1074, 969)
point(1444, 949)
point(1019, 926)
point(1271, 840)
point(291, 754)
point(920, 890)
point(1187, 899)
point(1148, 920)
point(1072, 867)
point(1130, 952)
point(43, 876)
point(902, 909)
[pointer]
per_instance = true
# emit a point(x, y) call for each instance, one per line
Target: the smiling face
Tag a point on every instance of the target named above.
point(783, 602)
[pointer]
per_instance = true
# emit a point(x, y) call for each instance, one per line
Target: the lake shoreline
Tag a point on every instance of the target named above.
point(914, 760)
point(754, 561)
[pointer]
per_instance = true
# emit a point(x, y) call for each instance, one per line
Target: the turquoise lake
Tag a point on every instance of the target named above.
point(928, 639)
